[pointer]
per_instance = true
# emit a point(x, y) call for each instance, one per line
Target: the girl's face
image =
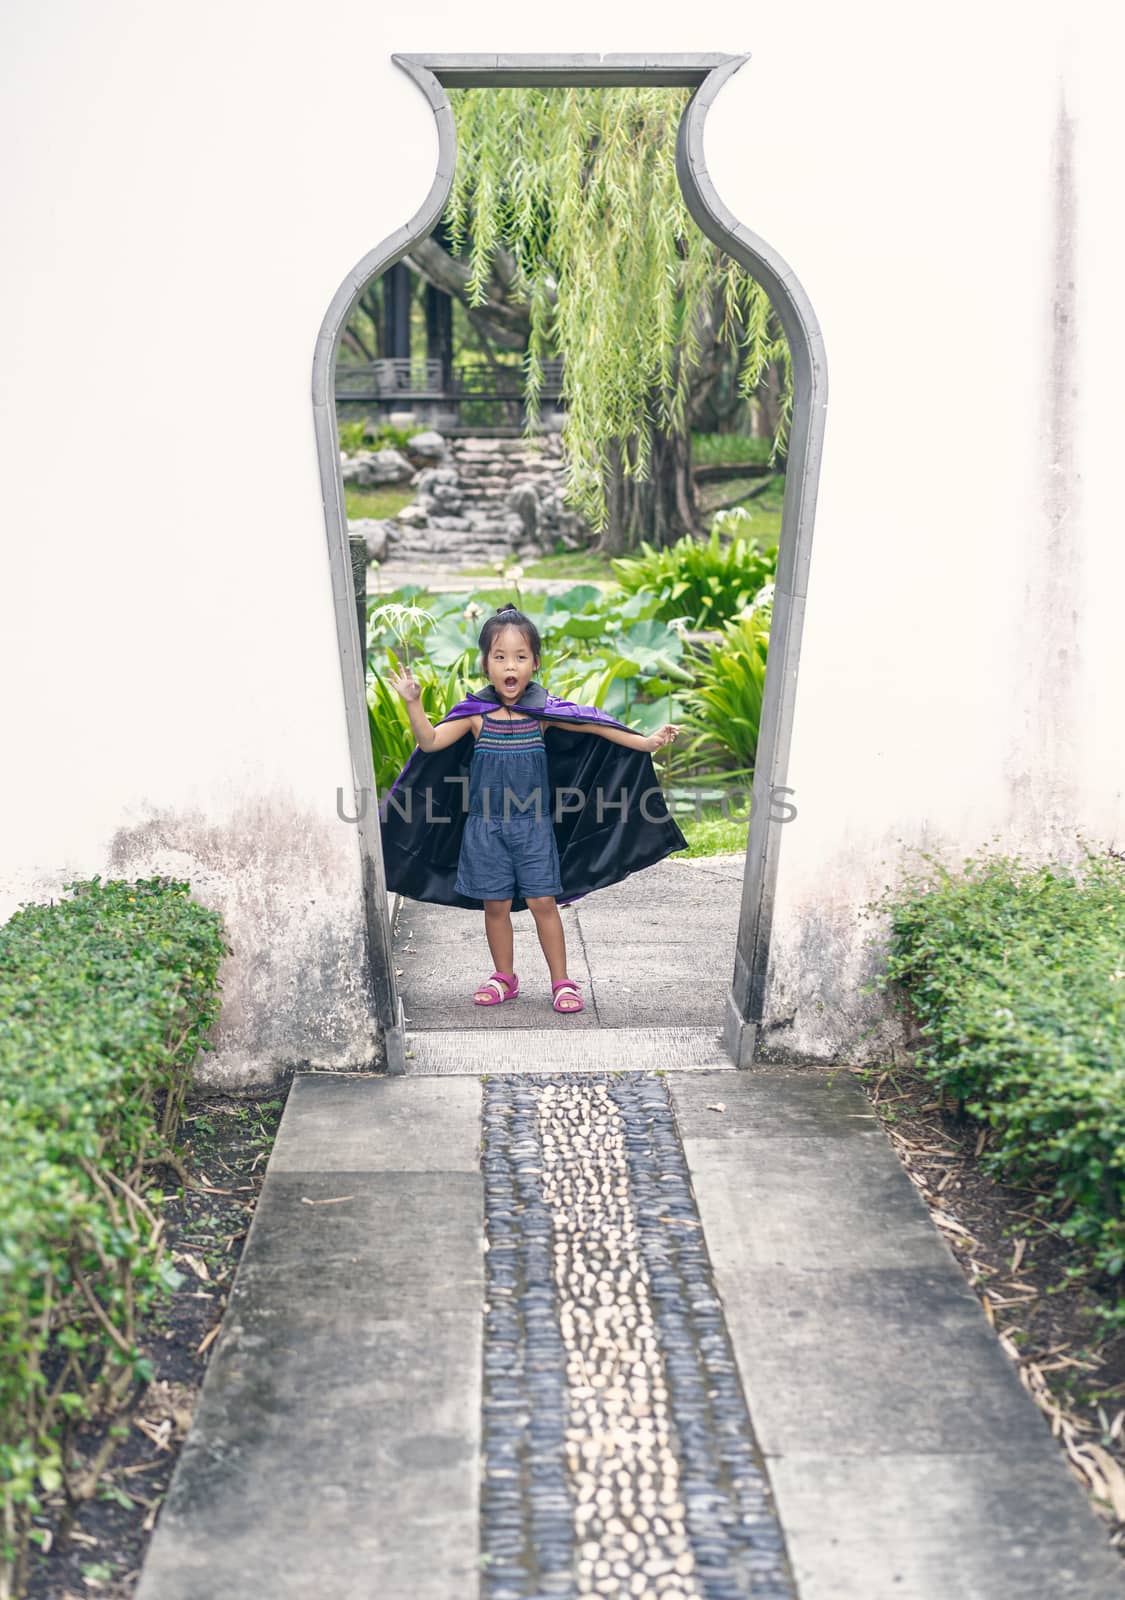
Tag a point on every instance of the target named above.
point(511, 664)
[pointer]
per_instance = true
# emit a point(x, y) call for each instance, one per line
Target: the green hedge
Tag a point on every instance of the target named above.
point(104, 1002)
point(1015, 974)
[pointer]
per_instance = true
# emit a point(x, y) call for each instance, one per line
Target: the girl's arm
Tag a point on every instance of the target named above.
point(426, 736)
point(430, 738)
point(635, 741)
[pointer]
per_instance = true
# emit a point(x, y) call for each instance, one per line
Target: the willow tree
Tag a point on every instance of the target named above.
point(575, 192)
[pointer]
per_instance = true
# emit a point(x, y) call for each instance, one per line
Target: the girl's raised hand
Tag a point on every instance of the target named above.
point(663, 735)
point(404, 681)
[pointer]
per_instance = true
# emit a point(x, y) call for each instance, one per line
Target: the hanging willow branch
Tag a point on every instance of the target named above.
point(579, 185)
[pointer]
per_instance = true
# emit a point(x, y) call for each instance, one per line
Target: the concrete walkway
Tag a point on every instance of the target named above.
point(584, 1329)
point(653, 958)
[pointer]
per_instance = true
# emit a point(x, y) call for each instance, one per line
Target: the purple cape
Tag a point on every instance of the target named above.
point(635, 829)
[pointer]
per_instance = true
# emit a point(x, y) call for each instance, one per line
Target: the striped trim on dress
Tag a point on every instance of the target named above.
point(501, 733)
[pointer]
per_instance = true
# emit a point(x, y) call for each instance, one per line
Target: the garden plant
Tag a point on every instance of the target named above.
point(106, 999)
point(1014, 976)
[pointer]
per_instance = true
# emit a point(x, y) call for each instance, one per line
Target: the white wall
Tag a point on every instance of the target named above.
point(961, 660)
point(184, 191)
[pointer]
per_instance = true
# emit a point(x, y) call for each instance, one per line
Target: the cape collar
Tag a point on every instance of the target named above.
point(534, 696)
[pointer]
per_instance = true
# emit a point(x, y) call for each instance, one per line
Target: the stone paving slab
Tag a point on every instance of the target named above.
point(366, 1224)
point(984, 1526)
point(442, 999)
point(343, 1125)
point(819, 1201)
point(877, 1361)
point(905, 1457)
point(686, 1001)
point(797, 1104)
point(285, 1490)
point(637, 964)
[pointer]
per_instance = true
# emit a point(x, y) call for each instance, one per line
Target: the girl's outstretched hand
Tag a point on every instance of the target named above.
point(663, 735)
point(404, 681)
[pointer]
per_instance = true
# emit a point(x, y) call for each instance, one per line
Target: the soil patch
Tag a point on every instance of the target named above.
point(1023, 1272)
point(96, 1547)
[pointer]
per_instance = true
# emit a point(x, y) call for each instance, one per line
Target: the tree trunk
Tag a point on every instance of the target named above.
point(769, 399)
point(660, 510)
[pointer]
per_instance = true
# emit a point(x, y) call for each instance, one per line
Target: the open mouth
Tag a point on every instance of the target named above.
point(510, 683)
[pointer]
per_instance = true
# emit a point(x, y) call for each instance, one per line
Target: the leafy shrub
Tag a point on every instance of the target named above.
point(105, 1000)
point(351, 435)
point(1015, 974)
point(725, 705)
point(704, 581)
point(384, 437)
point(355, 436)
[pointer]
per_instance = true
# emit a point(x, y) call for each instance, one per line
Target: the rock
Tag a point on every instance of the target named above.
point(524, 500)
point(412, 516)
point(375, 536)
point(429, 445)
point(369, 468)
point(388, 466)
point(445, 497)
point(429, 476)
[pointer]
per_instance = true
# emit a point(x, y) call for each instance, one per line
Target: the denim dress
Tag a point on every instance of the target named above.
point(509, 838)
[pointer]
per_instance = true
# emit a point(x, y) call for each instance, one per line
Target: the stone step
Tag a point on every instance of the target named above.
point(465, 1052)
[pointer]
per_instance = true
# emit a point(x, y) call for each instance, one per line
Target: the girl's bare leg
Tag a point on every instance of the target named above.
point(498, 932)
point(548, 925)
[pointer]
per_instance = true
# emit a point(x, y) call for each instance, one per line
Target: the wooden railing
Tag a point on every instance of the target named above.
point(413, 379)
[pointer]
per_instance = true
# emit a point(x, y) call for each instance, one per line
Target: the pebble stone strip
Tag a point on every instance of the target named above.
point(618, 1454)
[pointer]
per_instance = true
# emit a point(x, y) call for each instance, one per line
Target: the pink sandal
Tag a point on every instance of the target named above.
point(503, 986)
point(566, 985)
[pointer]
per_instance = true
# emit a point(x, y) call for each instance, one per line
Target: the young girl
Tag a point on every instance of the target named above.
point(508, 845)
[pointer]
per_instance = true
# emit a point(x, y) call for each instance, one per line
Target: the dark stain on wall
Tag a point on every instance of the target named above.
point(296, 988)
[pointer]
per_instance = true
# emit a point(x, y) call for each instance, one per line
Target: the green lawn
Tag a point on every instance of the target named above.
point(581, 565)
point(713, 834)
point(378, 503)
point(764, 526)
point(719, 449)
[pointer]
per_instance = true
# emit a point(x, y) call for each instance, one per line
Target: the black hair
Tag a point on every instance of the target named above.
point(508, 616)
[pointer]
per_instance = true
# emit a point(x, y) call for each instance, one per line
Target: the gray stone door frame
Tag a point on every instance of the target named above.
point(706, 74)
